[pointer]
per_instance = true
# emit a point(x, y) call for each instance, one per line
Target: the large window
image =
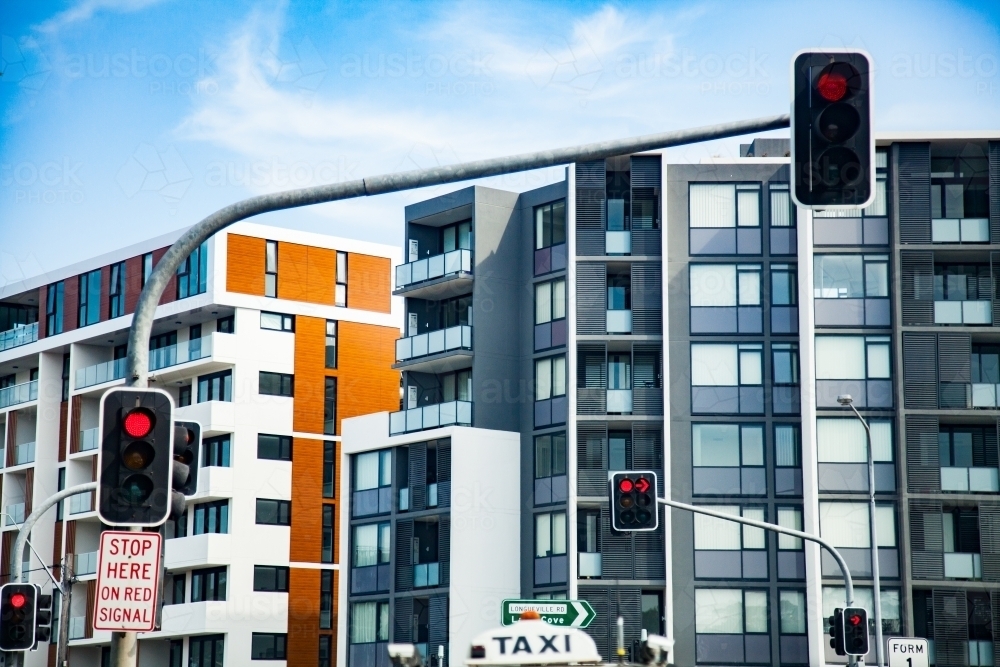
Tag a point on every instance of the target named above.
point(208, 584)
point(790, 517)
point(330, 406)
point(116, 291)
point(215, 451)
point(206, 650)
point(787, 447)
point(192, 274)
point(270, 578)
point(845, 524)
point(550, 377)
point(725, 285)
point(147, 268)
point(371, 545)
point(550, 455)
point(727, 445)
point(372, 470)
point(90, 299)
point(369, 622)
point(456, 386)
point(730, 611)
point(271, 269)
point(784, 285)
point(274, 512)
point(330, 356)
point(550, 534)
point(275, 384)
point(792, 612)
point(268, 646)
point(785, 363)
point(277, 321)
point(550, 301)
point(550, 224)
point(726, 365)
point(712, 534)
point(852, 357)
point(725, 205)
point(850, 276)
point(54, 308)
point(216, 387)
point(211, 517)
point(274, 447)
point(843, 440)
point(959, 198)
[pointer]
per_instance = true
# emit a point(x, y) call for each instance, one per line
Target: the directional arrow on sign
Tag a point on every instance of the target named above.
point(567, 613)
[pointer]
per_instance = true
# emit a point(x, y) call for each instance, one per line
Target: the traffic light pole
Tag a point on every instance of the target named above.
point(848, 581)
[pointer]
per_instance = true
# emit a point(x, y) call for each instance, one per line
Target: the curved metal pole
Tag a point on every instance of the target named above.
point(138, 342)
point(25, 529)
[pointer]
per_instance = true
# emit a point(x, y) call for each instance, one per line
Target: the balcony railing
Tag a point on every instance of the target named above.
point(960, 230)
point(620, 401)
point(163, 357)
point(18, 336)
point(100, 373)
point(456, 261)
point(619, 321)
point(24, 453)
point(963, 312)
point(14, 514)
point(80, 503)
point(974, 480)
point(590, 564)
point(434, 342)
point(77, 625)
point(452, 413)
point(618, 243)
point(963, 566)
point(18, 393)
point(426, 574)
point(86, 563)
point(88, 439)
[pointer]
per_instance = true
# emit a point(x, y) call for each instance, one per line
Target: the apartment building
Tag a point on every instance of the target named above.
point(269, 338)
point(558, 314)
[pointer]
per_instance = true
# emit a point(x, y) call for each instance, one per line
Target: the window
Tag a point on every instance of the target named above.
point(211, 517)
point(962, 282)
point(184, 395)
point(725, 285)
point(216, 387)
point(326, 599)
point(372, 470)
point(330, 406)
point(325, 651)
point(215, 451)
point(274, 447)
point(550, 455)
point(116, 291)
point(985, 364)
point(967, 447)
point(782, 210)
point(712, 534)
point(619, 291)
point(845, 524)
point(550, 377)
point(327, 537)
point(550, 534)
point(727, 365)
point(54, 308)
point(90, 299)
point(550, 301)
point(271, 269)
point(550, 224)
point(785, 363)
point(147, 267)
point(457, 236)
point(724, 205)
point(208, 584)
point(369, 622)
point(843, 440)
point(850, 276)
point(329, 468)
point(792, 612)
point(206, 650)
point(340, 298)
point(730, 611)
point(268, 646)
point(178, 588)
point(456, 386)
point(331, 344)
point(275, 384)
point(790, 517)
point(371, 545)
point(277, 321)
point(588, 531)
point(274, 512)
point(727, 445)
point(226, 324)
point(852, 357)
point(787, 447)
point(270, 578)
point(784, 285)
point(192, 274)
point(60, 485)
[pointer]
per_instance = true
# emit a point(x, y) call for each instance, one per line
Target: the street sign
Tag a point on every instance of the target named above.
point(908, 652)
point(128, 574)
point(533, 643)
point(570, 613)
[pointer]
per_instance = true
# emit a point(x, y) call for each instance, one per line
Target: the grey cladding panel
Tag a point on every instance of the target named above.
point(437, 616)
point(404, 552)
point(989, 540)
point(917, 286)
point(994, 196)
point(951, 628)
point(954, 357)
point(404, 620)
point(923, 460)
point(646, 171)
point(418, 476)
point(926, 539)
point(590, 211)
point(591, 298)
point(647, 298)
point(444, 549)
point(995, 277)
point(914, 200)
point(591, 453)
point(600, 628)
point(919, 376)
point(590, 174)
point(616, 549)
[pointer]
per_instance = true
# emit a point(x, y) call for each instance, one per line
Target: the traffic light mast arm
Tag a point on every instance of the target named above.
point(137, 370)
point(25, 529)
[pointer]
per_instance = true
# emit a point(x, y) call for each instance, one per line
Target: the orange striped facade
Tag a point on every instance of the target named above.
point(366, 383)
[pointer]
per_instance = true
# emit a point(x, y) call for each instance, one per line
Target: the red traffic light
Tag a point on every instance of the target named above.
point(625, 485)
point(832, 86)
point(854, 619)
point(138, 423)
point(18, 600)
point(642, 485)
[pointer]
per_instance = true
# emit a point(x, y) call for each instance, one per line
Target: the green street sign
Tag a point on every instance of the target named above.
point(569, 613)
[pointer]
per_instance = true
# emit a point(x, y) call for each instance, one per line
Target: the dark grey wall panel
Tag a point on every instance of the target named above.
point(989, 541)
point(404, 553)
point(590, 207)
point(926, 540)
point(645, 171)
point(437, 623)
point(923, 460)
point(951, 628)
point(916, 271)
point(647, 298)
point(913, 186)
point(954, 357)
point(403, 614)
point(919, 376)
point(418, 476)
point(591, 298)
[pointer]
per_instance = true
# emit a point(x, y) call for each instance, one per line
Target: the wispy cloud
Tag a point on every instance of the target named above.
point(84, 10)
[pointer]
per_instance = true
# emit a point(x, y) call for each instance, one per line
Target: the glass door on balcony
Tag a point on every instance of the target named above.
point(619, 382)
point(963, 294)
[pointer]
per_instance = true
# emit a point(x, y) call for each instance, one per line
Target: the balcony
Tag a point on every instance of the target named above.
point(404, 499)
point(163, 357)
point(970, 480)
point(963, 566)
point(960, 230)
point(14, 514)
point(618, 243)
point(619, 321)
point(24, 453)
point(18, 336)
point(81, 503)
point(19, 393)
point(426, 575)
point(100, 373)
point(963, 312)
point(86, 563)
point(77, 626)
point(88, 439)
point(590, 565)
point(435, 351)
point(436, 276)
point(452, 413)
point(199, 551)
point(619, 401)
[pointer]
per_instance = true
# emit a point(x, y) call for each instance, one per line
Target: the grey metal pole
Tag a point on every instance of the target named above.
point(877, 597)
point(25, 529)
point(62, 645)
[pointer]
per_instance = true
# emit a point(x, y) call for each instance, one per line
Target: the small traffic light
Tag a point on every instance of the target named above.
point(837, 631)
point(633, 500)
point(855, 631)
point(187, 448)
point(18, 604)
point(833, 147)
point(136, 457)
point(43, 619)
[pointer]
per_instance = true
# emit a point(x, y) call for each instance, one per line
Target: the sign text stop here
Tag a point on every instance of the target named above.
point(128, 578)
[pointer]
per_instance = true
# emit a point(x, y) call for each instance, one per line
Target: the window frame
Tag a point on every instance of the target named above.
point(329, 405)
point(552, 457)
point(868, 342)
point(743, 455)
point(741, 349)
point(89, 299)
point(270, 269)
point(116, 291)
point(282, 442)
point(867, 260)
point(792, 271)
point(380, 634)
point(744, 530)
point(54, 314)
point(217, 448)
point(540, 224)
point(790, 542)
point(285, 384)
point(202, 514)
point(743, 609)
point(738, 186)
point(552, 533)
point(286, 323)
point(329, 469)
point(328, 524)
point(777, 188)
point(792, 350)
point(282, 510)
point(331, 325)
point(192, 276)
point(555, 390)
point(551, 286)
point(383, 550)
point(279, 649)
point(797, 430)
point(280, 574)
point(207, 580)
point(225, 386)
point(340, 287)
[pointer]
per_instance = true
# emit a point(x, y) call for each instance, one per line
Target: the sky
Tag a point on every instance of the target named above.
point(124, 119)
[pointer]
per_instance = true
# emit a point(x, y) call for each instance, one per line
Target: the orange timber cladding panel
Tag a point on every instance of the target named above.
point(245, 264)
point(303, 617)
point(368, 286)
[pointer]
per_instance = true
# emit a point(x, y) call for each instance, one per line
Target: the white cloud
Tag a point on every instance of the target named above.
point(84, 10)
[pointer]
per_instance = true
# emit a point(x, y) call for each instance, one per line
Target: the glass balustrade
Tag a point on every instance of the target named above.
point(618, 243)
point(163, 357)
point(88, 439)
point(18, 393)
point(18, 336)
point(77, 624)
point(619, 321)
point(590, 564)
point(974, 480)
point(24, 453)
point(434, 342)
point(960, 230)
point(963, 312)
point(80, 503)
point(426, 574)
point(86, 563)
point(429, 268)
point(452, 413)
point(14, 514)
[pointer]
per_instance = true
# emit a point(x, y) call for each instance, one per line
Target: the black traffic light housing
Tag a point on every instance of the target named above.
point(187, 450)
point(837, 631)
point(833, 147)
point(18, 607)
point(135, 460)
point(43, 618)
point(633, 500)
point(855, 631)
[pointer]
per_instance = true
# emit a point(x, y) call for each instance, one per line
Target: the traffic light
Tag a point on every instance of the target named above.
point(837, 631)
point(187, 448)
point(633, 500)
point(17, 616)
point(855, 631)
point(135, 457)
point(43, 618)
point(833, 147)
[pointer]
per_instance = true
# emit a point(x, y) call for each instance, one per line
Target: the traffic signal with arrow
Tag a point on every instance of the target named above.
point(633, 500)
point(855, 631)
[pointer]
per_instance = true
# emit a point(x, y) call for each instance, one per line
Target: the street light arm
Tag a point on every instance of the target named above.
point(25, 529)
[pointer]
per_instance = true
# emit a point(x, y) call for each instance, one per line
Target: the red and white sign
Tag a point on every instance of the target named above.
point(128, 579)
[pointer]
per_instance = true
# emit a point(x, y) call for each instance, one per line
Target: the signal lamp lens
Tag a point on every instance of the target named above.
point(643, 500)
point(854, 619)
point(626, 502)
point(642, 516)
point(626, 485)
point(832, 86)
point(642, 485)
point(138, 423)
point(838, 122)
point(18, 600)
point(138, 455)
point(136, 490)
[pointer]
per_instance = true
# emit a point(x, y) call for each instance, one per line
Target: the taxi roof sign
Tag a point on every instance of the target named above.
point(533, 642)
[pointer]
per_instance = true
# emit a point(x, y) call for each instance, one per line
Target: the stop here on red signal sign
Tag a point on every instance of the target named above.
point(128, 578)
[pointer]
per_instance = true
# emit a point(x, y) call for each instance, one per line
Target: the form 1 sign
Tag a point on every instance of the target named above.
point(128, 579)
point(907, 652)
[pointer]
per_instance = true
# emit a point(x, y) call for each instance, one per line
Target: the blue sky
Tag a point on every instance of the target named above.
point(124, 119)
